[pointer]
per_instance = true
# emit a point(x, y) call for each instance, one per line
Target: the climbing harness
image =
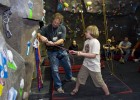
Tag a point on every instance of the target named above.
point(105, 21)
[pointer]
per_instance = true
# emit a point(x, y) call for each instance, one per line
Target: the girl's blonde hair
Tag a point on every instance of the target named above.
point(94, 31)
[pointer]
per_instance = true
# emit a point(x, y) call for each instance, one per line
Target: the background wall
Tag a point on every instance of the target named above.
point(122, 18)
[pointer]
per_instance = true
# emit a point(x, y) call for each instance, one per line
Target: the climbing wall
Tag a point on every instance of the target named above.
point(19, 18)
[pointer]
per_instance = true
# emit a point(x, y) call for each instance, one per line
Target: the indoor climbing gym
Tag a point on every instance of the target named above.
point(69, 49)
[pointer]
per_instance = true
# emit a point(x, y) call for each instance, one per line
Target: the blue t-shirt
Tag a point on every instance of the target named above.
point(54, 34)
point(125, 44)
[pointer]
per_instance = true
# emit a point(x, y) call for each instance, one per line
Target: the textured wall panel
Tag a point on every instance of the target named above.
point(5, 2)
point(21, 29)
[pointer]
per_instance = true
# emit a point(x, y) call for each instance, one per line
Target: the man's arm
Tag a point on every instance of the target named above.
point(135, 47)
point(59, 42)
point(127, 46)
point(42, 38)
point(132, 54)
point(45, 40)
point(120, 45)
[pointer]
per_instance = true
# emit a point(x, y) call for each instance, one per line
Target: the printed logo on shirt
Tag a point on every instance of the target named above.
point(87, 48)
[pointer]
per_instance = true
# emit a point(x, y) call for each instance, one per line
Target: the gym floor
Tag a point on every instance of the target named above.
point(123, 81)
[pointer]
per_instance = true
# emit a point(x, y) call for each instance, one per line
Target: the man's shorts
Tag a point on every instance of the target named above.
point(96, 77)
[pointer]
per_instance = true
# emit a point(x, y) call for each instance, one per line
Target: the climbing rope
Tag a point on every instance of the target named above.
point(105, 20)
point(83, 21)
point(38, 69)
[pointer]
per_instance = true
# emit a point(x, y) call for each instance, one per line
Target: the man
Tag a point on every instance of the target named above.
point(54, 36)
point(124, 47)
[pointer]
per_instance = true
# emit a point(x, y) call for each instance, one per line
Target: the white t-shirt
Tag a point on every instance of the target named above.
point(92, 46)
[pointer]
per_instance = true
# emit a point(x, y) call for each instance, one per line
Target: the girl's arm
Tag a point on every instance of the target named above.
point(87, 55)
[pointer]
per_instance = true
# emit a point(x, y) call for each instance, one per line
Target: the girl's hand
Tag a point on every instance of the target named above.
point(72, 52)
